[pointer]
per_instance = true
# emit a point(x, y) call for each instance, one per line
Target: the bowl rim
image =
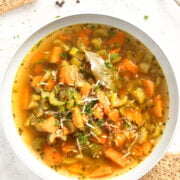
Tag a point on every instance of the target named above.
point(19, 146)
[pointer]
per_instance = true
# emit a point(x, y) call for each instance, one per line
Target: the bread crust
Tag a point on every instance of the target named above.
point(6, 5)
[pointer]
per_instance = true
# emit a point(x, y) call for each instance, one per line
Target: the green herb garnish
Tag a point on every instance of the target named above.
point(64, 55)
point(57, 123)
point(88, 109)
point(108, 64)
point(146, 17)
point(82, 138)
point(113, 56)
point(39, 43)
point(56, 17)
point(40, 61)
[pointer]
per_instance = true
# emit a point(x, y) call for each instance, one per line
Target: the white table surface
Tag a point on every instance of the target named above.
point(163, 26)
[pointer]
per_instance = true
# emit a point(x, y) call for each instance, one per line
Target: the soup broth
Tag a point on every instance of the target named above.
point(90, 101)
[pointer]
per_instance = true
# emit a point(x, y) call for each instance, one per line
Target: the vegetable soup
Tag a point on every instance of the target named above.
point(90, 101)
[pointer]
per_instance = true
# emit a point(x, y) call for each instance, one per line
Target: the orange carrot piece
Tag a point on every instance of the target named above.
point(51, 155)
point(137, 150)
point(98, 111)
point(101, 171)
point(55, 54)
point(68, 73)
point(85, 89)
point(107, 110)
point(118, 38)
point(114, 156)
point(49, 124)
point(26, 98)
point(119, 139)
point(50, 85)
point(147, 147)
point(77, 118)
point(130, 66)
point(68, 147)
point(134, 115)
point(84, 34)
point(65, 131)
point(114, 115)
point(149, 87)
point(158, 106)
point(36, 80)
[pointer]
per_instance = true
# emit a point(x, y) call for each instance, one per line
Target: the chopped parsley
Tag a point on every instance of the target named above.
point(146, 17)
point(56, 17)
point(38, 44)
point(64, 55)
point(108, 64)
point(40, 61)
point(113, 56)
point(82, 139)
point(88, 109)
point(57, 123)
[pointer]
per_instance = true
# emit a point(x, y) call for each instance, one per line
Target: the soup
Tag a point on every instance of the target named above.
point(90, 101)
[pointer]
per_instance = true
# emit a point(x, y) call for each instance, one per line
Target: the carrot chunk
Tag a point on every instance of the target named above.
point(147, 147)
point(55, 54)
point(101, 172)
point(85, 89)
point(49, 124)
point(77, 118)
point(114, 115)
point(158, 106)
point(68, 73)
point(130, 66)
point(137, 150)
point(149, 87)
point(51, 155)
point(118, 38)
point(114, 156)
point(50, 83)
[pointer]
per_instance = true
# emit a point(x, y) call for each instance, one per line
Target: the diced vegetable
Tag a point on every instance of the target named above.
point(77, 118)
point(85, 89)
point(118, 38)
point(143, 134)
point(50, 83)
point(147, 147)
point(75, 168)
point(117, 102)
point(49, 124)
point(73, 51)
point(114, 115)
point(114, 156)
point(101, 32)
point(149, 87)
point(132, 114)
point(158, 106)
point(137, 150)
point(144, 67)
point(52, 156)
point(55, 54)
point(130, 66)
point(75, 61)
point(139, 94)
point(70, 126)
point(97, 42)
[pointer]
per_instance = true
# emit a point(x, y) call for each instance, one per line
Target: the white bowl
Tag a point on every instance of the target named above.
point(8, 122)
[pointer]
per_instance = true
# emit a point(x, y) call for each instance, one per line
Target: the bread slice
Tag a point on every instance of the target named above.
point(167, 169)
point(6, 5)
